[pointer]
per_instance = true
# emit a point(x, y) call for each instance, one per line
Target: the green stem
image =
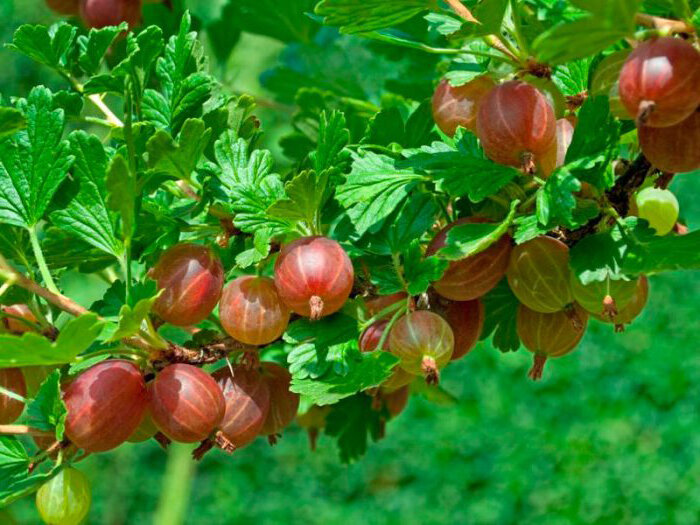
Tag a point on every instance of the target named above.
point(391, 324)
point(41, 262)
point(518, 31)
point(177, 483)
point(382, 314)
point(396, 259)
point(124, 351)
point(12, 395)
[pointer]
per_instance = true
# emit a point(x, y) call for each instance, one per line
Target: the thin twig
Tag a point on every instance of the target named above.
point(61, 301)
point(25, 430)
point(657, 22)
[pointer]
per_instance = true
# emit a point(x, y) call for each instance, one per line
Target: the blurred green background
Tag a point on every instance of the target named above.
point(609, 436)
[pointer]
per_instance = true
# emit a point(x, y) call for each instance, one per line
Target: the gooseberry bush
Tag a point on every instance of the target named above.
point(455, 172)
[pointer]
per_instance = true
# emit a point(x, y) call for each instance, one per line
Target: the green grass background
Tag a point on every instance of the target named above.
point(609, 436)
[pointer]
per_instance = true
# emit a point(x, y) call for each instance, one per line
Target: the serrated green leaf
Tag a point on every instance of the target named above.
point(468, 239)
point(320, 346)
point(121, 189)
point(33, 163)
point(11, 121)
point(555, 200)
point(333, 136)
point(358, 16)
point(46, 45)
point(178, 159)
point(373, 190)
point(419, 272)
point(33, 349)
point(47, 411)
point(460, 173)
point(352, 421)
point(364, 371)
point(247, 184)
point(94, 47)
point(130, 319)
point(501, 308)
point(86, 214)
point(259, 251)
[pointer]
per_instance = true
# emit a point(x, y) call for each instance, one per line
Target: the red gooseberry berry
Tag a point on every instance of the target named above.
point(103, 13)
point(64, 7)
point(516, 125)
point(549, 335)
point(191, 278)
point(186, 403)
point(376, 305)
point(455, 106)
point(146, 429)
point(635, 307)
point(475, 275)
point(10, 408)
point(284, 403)
point(556, 156)
point(252, 312)
point(538, 274)
point(659, 81)
point(247, 399)
point(423, 342)
point(20, 319)
point(369, 341)
point(105, 405)
point(605, 298)
point(314, 276)
point(466, 318)
point(673, 149)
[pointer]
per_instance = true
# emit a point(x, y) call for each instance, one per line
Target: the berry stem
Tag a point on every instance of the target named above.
point(657, 22)
point(23, 430)
point(538, 363)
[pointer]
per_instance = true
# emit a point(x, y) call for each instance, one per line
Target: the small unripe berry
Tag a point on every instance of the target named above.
point(64, 499)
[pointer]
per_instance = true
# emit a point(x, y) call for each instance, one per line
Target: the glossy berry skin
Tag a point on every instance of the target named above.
point(659, 207)
point(424, 343)
point(458, 106)
point(64, 7)
point(605, 298)
point(284, 404)
point(10, 409)
point(252, 312)
point(556, 156)
point(15, 325)
point(369, 341)
point(473, 276)
point(103, 13)
point(549, 335)
point(65, 499)
point(375, 305)
point(186, 403)
point(314, 276)
point(635, 307)
point(538, 274)
point(145, 431)
point(466, 318)
point(247, 404)
point(659, 81)
point(516, 124)
point(105, 405)
point(191, 278)
point(673, 149)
